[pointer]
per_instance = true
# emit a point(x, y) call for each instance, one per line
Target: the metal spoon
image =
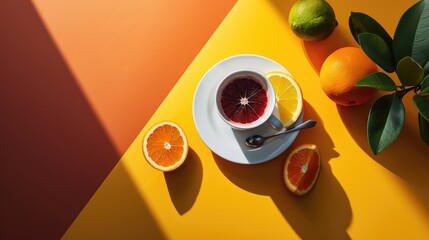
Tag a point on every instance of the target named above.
point(257, 140)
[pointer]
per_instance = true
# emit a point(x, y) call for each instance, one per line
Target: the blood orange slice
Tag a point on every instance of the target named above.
point(165, 146)
point(244, 100)
point(302, 169)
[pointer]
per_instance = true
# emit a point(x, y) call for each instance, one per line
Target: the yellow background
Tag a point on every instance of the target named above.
point(358, 195)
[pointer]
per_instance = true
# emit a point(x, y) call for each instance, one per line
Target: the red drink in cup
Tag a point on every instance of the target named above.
point(245, 99)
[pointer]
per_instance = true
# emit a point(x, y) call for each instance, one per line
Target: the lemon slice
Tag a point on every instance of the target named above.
point(288, 96)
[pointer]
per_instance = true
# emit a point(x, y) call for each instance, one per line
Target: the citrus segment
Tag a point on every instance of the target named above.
point(302, 168)
point(165, 146)
point(288, 97)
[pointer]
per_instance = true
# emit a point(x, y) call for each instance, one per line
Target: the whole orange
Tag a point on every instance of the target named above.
point(341, 70)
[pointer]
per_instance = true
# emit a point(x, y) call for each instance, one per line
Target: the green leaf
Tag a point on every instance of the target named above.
point(421, 41)
point(424, 129)
point(361, 23)
point(409, 72)
point(425, 82)
point(378, 80)
point(377, 49)
point(426, 68)
point(422, 104)
point(385, 122)
point(412, 34)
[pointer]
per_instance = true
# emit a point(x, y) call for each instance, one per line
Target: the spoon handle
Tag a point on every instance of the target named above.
point(307, 124)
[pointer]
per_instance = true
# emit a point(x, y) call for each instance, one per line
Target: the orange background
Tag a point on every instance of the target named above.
point(357, 195)
point(81, 83)
point(79, 80)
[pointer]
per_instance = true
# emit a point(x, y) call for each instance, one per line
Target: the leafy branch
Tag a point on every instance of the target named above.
point(407, 54)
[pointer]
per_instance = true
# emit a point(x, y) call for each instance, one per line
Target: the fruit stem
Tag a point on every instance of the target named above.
point(404, 91)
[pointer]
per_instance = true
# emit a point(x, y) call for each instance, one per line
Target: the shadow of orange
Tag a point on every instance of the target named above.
point(318, 51)
point(184, 183)
point(324, 213)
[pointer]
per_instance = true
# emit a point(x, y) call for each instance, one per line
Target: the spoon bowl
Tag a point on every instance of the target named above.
point(256, 141)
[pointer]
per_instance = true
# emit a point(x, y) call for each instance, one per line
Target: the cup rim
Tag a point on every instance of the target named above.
point(268, 110)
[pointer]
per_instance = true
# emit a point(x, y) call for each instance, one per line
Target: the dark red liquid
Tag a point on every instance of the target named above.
point(244, 100)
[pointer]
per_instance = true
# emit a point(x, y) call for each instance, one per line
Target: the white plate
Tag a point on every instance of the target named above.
point(219, 136)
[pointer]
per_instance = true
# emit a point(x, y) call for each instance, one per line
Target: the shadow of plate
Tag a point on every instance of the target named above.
point(324, 213)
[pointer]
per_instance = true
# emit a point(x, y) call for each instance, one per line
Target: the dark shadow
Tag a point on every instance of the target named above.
point(407, 157)
point(271, 147)
point(355, 119)
point(54, 152)
point(317, 51)
point(118, 211)
point(325, 212)
point(184, 183)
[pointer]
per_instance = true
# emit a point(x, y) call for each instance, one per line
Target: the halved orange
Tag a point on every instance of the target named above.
point(165, 146)
point(288, 96)
point(302, 168)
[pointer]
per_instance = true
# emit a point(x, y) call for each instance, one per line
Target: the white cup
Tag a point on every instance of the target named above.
point(242, 101)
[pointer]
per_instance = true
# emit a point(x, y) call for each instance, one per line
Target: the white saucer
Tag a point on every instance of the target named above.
point(219, 136)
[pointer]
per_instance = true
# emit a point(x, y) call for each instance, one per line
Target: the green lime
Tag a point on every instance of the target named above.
point(312, 20)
